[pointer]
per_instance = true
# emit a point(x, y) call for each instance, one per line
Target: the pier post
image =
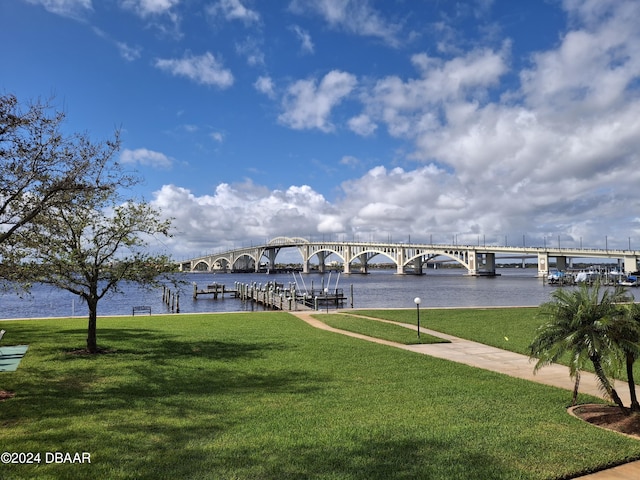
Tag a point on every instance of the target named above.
point(352, 295)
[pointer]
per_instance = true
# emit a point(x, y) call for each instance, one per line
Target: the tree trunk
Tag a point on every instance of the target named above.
point(606, 384)
point(635, 406)
point(92, 341)
point(575, 389)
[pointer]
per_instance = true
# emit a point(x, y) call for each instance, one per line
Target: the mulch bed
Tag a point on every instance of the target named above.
point(610, 417)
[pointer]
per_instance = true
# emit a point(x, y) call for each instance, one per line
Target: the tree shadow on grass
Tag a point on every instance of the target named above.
point(166, 399)
point(364, 459)
point(154, 346)
point(158, 367)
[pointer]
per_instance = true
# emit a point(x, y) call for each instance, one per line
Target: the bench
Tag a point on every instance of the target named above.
point(140, 309)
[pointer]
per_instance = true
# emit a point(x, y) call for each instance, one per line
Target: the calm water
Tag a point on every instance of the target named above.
point(379, 289)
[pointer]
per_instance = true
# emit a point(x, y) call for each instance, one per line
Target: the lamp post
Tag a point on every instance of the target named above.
point(326, 298)
point(417, 301)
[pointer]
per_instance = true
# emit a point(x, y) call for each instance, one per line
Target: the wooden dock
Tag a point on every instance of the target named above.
point(276, 296)
point(215, 289)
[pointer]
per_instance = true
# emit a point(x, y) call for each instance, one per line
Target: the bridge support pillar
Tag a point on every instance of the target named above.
point(630, 264)
point(321, 258)
point(417, 266)
point(490, 263)
point(543, 264)
point(346, 266)
point(305, 258)
point(561, 263)
point(400, 261)
point(271, 255)
point(364, 262)
point(472, 262)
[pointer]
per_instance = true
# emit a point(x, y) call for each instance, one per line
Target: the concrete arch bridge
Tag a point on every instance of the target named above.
point(408, 257)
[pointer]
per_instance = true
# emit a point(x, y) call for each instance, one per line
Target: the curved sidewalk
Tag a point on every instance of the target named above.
point(501, 361)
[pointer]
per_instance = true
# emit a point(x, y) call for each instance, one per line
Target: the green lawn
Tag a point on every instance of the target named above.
point(512, 329)
point(265, 396)
point(376, 329)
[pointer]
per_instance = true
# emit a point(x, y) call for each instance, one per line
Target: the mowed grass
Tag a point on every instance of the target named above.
point(265, 396)
point(511, 329)
point(378, 329)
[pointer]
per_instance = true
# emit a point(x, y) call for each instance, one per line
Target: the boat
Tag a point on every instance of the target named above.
point(555, 277)
point(629, 281)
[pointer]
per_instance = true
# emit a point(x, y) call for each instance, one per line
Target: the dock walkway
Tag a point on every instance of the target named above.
point(494, 359)
point(276, 296)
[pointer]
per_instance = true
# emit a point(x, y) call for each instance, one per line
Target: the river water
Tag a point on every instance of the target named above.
point(378, 289)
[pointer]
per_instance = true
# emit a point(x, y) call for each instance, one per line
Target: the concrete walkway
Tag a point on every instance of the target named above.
point(501, 361)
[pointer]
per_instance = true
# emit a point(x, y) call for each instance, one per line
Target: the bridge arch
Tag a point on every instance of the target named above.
point(371, 253)
point(364, 256)
point(201, 266)
point(459, 257)
point(322, 253)
point(222, 263)
point(244, 256)
point(287, 241)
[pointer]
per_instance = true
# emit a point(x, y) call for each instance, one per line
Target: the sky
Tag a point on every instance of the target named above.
point(472, 121)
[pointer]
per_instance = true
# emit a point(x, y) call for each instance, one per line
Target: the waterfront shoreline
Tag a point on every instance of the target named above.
point(313, 312)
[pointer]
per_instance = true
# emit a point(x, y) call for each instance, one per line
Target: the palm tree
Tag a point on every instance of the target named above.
point(580, 325)
point(626, 334)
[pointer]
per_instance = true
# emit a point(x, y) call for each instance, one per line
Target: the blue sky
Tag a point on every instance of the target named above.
point(476, 120)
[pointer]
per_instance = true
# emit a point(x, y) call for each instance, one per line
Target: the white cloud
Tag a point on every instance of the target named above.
point(143, 156)
point(65, 8)
point(203, 221)
point(233, 10)
point(414, 107)
point(308, 105)
point(203, 69)
point(362, 125)
point(350, 161)
point(217, 136)
point(354, 16)
point(127, 52)
point(593, 66)
point(251, 49)
point(265, 85)
point(306, 44)
point(145, 8)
